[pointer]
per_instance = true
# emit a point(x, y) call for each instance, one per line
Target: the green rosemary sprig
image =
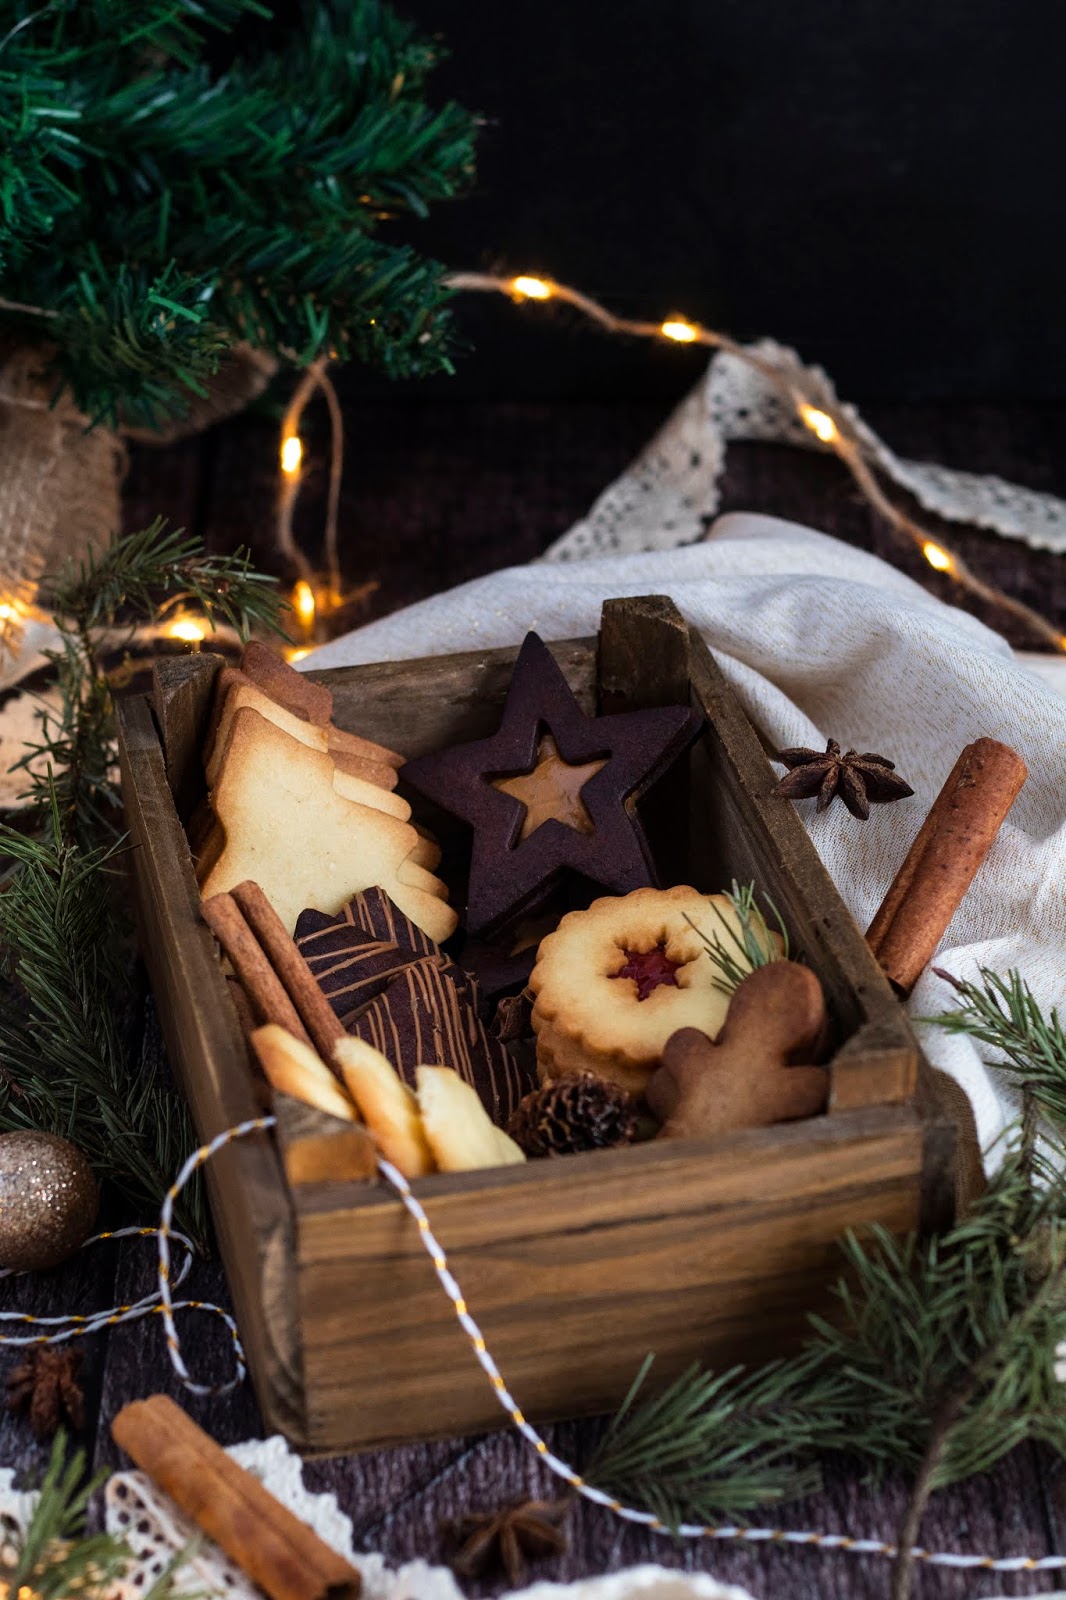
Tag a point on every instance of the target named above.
point(747, 943)
point(1002, 1012)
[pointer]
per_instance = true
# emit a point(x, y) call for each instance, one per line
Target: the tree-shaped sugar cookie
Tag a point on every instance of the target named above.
point(286, 825)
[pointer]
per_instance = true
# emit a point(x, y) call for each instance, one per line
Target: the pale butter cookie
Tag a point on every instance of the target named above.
point(612, 983)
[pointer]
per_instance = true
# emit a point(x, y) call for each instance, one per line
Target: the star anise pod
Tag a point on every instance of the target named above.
point(45, 1385)
point(859, 780)
point(526, 1531)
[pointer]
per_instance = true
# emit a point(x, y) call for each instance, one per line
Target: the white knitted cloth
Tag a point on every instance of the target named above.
point(822, 640)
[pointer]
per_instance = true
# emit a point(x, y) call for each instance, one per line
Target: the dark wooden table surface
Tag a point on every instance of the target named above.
point(436, 494)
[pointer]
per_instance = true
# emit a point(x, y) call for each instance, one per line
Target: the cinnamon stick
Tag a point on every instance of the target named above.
point(943, 860)
point(280, 1553)
point(254, 972)
point(298, 980)
point(242, 1006)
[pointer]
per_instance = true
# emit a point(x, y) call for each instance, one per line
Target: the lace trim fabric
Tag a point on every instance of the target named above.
point(669, 494)
point(156, 1532)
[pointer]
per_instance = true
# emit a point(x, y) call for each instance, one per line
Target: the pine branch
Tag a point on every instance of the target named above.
point(141, 573)
point(747, 944)
point(137, 578)
point(711, 1447)
point(134, 347)
point(63, 1067)
point(54, 1558)
point(156, 209)
point(1003, 1012)
point(943, 1355)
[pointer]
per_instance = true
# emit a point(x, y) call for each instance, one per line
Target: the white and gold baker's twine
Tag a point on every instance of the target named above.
point(162, 1304)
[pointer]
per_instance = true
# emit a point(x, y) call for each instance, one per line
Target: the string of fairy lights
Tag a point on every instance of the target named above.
point(315, 595)
point(830, 425)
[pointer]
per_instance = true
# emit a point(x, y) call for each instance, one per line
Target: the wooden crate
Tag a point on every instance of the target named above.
point(574, 1268)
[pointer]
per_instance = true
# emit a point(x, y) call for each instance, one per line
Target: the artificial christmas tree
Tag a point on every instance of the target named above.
point(178, 215)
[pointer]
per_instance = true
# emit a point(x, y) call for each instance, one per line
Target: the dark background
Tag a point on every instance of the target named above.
point(878, 183)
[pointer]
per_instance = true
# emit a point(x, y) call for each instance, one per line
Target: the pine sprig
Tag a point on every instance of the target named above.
point(53, 1557)
point(63, 1065)
point(1002, 1012)
point(136, 579)
point(151, 571)
point(737, 948)
point(710, 1447)
point(942, 1359)
point(63, 934)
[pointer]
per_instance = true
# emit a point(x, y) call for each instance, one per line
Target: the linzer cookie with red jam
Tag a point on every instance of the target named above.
point(613, 983)
point(552, 791)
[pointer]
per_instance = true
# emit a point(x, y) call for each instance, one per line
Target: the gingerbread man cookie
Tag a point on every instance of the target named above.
point(614, 982)
point(777, 1016)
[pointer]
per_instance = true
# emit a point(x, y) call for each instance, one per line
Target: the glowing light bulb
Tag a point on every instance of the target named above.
point(188, 629)
point(9, 612)
point(298, 653)
point(291, 454)
point(680, 331)
point(820, 423)
point(531, 288)
point(303, 602)
point(936, 557)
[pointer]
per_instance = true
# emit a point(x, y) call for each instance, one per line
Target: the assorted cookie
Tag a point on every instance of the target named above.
point(552, 791)
point(284, 821)
point(762, 1068)
point(649, 1012)
point(612, 983)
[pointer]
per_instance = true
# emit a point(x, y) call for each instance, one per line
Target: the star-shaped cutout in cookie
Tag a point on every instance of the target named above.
point(553, 790)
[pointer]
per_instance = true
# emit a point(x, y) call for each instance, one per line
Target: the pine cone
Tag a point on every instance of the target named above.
point(576, 1112)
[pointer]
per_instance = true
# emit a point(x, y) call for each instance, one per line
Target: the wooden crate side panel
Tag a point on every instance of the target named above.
point(182, 691)
point(691, 1256)
point(418, 706)
point(207, 1053)
point(740, 825)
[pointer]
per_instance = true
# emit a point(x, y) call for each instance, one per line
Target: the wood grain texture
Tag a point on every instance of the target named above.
point(417, 706)
point(551, 1249)
point(182, 692)
point(641, 664)
point(208, 1054)
point(697, 1252)
point(450, 492)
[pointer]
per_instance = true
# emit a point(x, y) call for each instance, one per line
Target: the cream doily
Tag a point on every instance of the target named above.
point(156, 1531)
point(669, 494)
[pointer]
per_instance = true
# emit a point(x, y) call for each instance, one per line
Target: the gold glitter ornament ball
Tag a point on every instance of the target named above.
point(48, 1200)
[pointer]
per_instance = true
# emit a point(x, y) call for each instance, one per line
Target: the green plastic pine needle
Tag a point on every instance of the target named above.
point(167, 193)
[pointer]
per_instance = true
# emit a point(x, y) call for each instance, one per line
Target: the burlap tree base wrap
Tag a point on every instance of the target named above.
point(59, 484)
point(60, 481)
